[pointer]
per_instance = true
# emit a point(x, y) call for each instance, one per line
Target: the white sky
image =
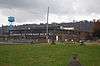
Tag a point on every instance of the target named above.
point(34, 11)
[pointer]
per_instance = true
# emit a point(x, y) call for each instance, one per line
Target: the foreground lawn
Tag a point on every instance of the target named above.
point(47, 55)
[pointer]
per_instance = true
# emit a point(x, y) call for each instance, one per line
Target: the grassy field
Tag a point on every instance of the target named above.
point(47, 55)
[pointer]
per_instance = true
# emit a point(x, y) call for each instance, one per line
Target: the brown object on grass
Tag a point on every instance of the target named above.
point(74, 61)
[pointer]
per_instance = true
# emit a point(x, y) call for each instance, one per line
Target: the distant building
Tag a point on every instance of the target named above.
point(63, 31)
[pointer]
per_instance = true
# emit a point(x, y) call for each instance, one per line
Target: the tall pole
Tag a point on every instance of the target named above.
point(47, 34)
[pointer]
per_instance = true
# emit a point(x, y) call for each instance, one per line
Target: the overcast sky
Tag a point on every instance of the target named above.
point(34, 11)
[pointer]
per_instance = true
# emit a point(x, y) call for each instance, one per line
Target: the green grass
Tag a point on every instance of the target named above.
point(47, 55)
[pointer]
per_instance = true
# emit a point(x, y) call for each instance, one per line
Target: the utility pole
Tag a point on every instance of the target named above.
point(47, 34)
